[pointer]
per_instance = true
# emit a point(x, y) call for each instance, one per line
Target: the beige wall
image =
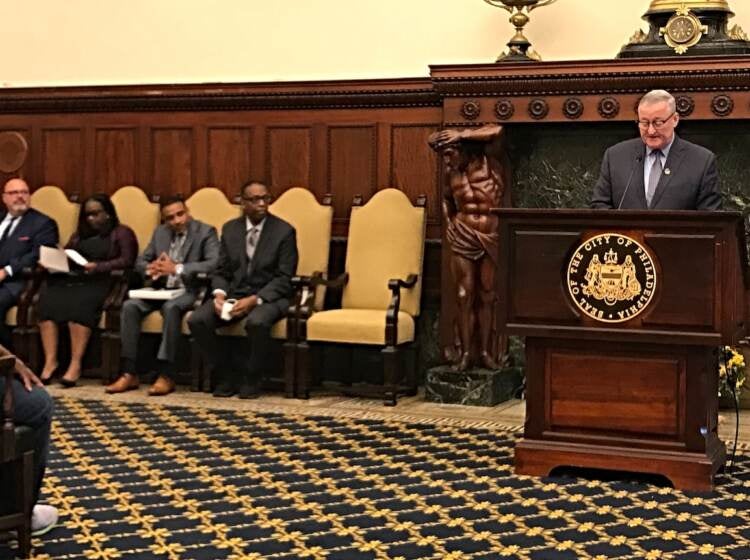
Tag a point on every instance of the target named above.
point(87, 42)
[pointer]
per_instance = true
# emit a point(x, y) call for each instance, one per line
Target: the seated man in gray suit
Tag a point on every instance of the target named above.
point(180, 249)
point(257, 262)
point(659, 170)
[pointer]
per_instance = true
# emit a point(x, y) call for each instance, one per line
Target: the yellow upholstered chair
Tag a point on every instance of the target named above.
point(211, 206)
point(381, 292)
point(138, 212)
point(53, 202)
point(142, 215)
point(312, 221)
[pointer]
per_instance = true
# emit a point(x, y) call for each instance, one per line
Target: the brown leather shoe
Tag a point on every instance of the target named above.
point(162, 386)
point(126, 382)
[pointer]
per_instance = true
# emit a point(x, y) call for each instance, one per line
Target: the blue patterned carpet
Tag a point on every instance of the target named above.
point(152, 482)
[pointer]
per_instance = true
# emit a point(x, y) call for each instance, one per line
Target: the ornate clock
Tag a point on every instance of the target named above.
point(683, 30)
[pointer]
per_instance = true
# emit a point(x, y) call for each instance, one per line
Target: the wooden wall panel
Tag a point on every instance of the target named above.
point(115, 162)
point(415, 167)
point(172, 161)
point(289, 162)
point(63, 158)
point(352, 166)
point(229, 153)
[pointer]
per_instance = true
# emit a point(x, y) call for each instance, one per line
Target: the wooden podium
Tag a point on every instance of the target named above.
point(623, 312)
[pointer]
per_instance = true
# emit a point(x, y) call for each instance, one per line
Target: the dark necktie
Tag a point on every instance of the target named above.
point(654, 176)
point(6, 231)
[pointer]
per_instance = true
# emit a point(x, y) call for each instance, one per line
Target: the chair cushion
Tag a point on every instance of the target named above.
point(153, 323)
point(278, 330)
point(386, 240)
point(11, 317)
point(357, 326)
point(53, 202)
point(211, 206)
point(135, 210)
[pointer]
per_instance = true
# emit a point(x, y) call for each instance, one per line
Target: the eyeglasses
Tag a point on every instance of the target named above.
point(16, 193)
point(656, 123)
point(258, 198)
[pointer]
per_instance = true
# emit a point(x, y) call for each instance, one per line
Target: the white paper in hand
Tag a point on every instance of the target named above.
point(53, 259)
point(76, 257)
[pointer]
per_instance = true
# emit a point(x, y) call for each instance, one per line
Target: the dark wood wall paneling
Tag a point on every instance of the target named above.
point(345, 138)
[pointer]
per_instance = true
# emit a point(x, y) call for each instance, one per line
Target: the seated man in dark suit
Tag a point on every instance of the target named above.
point(23, 231)
point(179, 250)
point(258, 258)
point(659, 170)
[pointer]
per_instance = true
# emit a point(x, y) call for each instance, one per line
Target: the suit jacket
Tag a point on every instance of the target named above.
point(201, 250)
point(691, 184)
point(274, 261)
point(21, 249)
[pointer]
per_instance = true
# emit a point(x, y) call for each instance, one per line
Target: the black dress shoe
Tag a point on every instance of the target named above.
point(249, 391)
point(224, 390)
point(67, 383)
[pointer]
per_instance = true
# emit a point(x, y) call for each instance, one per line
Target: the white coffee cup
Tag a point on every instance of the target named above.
point(226, 309)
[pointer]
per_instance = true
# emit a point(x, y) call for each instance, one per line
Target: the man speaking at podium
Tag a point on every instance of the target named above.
point(659, 170)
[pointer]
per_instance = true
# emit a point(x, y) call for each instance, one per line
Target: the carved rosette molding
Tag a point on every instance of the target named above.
point(471, 110)
point(722, 105)
point(344, 94)
point(573, 107)
point(595, 84)
point(618, 78)
point(504, 109)
point(608, 107)
point(685, 105)
point(538, 109)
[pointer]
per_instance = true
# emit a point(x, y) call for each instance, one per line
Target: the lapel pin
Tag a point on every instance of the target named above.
point(667, 171)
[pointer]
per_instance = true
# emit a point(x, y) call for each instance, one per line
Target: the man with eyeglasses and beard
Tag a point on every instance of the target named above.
point(23, 231)
point(659, 170)
point(257, 259)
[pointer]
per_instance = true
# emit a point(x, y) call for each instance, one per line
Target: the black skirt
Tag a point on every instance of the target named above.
point(77, 297)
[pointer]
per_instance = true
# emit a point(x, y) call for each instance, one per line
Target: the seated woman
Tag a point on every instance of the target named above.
point(77, 297)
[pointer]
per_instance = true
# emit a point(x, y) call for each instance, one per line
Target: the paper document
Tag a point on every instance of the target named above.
point(53, 259)
point(150, 293)
point(76, 257)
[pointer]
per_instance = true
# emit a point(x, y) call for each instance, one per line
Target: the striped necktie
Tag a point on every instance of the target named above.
point(654, 176)
point(252, 241)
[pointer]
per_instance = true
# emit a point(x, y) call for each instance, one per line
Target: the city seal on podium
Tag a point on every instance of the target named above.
point(611, 278)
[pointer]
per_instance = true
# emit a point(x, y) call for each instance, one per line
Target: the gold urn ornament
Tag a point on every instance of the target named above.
point(693, 27)
point(519, 47)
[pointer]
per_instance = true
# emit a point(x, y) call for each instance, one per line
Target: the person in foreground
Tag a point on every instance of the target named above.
point(258, 257)
point(23, 231)
point(659, 170)
point(179, 250)
point(33, 408)
point(77, 298)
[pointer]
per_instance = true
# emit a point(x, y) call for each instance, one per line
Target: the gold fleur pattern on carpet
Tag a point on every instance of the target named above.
point(135, 481)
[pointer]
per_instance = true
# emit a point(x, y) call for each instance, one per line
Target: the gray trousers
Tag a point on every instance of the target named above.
point(133, 312)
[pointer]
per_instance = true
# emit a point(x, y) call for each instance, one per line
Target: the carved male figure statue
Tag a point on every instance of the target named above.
point(476, 180)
